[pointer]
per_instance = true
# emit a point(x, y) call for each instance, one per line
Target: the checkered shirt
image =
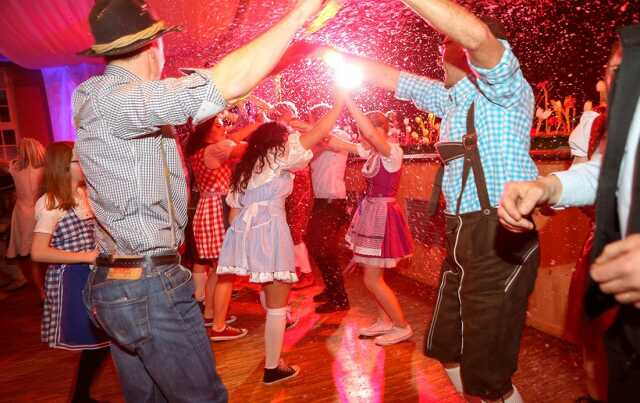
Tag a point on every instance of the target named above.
point(117, 117)
point(208, 221)
point(71, 234)
point(504, 104)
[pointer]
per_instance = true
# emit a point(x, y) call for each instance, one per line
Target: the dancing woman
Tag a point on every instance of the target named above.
point(379, 236)
point(258, 243)
point(211, 154)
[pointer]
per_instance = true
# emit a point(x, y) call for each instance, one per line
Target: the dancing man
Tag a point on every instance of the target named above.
point(138, 291)
point(329, 217)
point(487, 109)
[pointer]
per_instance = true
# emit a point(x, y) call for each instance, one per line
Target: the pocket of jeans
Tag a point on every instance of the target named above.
point(177, 277)
point(125, 320)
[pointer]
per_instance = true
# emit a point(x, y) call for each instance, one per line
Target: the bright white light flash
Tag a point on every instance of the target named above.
point(347, 75)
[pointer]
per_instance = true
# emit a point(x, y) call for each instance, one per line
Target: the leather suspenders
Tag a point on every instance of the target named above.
point(467, 149)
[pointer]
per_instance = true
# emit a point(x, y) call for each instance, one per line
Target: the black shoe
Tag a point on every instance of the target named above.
point(587, 399)
point(291, 322)
point(279, 374)
point(322, 297)
point(329, 307)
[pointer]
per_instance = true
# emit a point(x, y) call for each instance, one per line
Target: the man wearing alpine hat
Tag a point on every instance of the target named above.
point(138, 292)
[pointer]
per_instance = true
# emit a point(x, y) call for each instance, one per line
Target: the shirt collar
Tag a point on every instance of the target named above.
point(119, 71)
point(462, 91)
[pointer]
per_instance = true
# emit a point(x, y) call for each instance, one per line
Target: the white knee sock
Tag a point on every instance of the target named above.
point(263, 300)
point(302, 257)
point(455, 377)
point(199, 283)
point(515, 397)
point(274, 335)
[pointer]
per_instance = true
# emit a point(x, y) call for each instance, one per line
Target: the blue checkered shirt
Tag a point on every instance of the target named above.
point(117, 117)
point(504, 105)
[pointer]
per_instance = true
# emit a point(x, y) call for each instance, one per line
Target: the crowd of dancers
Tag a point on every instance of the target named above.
point(272, 194)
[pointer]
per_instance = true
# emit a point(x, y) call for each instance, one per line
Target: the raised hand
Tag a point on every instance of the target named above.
point(309, 8)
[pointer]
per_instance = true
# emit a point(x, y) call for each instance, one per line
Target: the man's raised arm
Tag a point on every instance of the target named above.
point(241, 70)
point(462, 27)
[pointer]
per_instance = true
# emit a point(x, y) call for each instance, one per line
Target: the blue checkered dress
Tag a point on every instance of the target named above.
point(71, 234)
point(504, 105)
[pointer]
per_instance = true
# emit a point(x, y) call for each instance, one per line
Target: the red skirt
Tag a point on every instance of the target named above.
point(299, 204)
point(208, 227)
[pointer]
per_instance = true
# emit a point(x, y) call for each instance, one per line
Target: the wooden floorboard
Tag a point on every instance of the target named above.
point(336, 365)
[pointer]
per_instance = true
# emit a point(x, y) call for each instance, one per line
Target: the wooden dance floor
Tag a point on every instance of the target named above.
point(336, 365)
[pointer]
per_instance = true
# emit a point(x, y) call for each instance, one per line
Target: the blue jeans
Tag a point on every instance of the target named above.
point(160, 347)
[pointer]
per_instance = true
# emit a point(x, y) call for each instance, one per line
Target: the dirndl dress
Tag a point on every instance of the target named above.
point(379, 235)
point(258, 242)
point(209, 221)
point(65, 321)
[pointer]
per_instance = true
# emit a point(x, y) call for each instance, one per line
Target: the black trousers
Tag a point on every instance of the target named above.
point(623, 355)
point(480, 313)
point(325, 240)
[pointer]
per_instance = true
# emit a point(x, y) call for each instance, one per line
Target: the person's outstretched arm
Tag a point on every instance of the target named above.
point(576, 186)
point(379, 74)
point(462, 27)
point(241, 70)
point(324, 125)
point(367, 129)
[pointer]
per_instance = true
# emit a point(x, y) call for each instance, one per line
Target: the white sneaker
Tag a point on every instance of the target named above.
point(395, 335)
point(380, 326)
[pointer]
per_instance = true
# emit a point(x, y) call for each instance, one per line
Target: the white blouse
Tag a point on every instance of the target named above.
point(392, 163)
point(294, 158)
point(46, 220)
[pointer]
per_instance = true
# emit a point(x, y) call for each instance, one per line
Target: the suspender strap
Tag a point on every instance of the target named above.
point(167, 189)
point(468, 149)
point(432, 207)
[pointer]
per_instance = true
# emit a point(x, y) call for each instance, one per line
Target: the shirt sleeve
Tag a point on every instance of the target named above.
point(362, 152)
point(393, 162)
point(296, 157)
point(504, 84)
point(216, 154)
point(46, 220)
point(428, 95)
point(580, 183)
point(579, 138)
point(141, 107)
point(232, 200)
point(341, 134)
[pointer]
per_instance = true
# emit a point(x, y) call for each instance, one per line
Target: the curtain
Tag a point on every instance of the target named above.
point(47, 35)
point(59, 84)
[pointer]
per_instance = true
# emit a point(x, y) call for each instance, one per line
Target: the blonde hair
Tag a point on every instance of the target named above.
point(30, 153)
point(378, 119)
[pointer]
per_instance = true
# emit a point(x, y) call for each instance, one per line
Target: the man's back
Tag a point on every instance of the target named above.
point(119, 149)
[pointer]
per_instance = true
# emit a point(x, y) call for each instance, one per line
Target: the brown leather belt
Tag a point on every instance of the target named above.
point(136, 261)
